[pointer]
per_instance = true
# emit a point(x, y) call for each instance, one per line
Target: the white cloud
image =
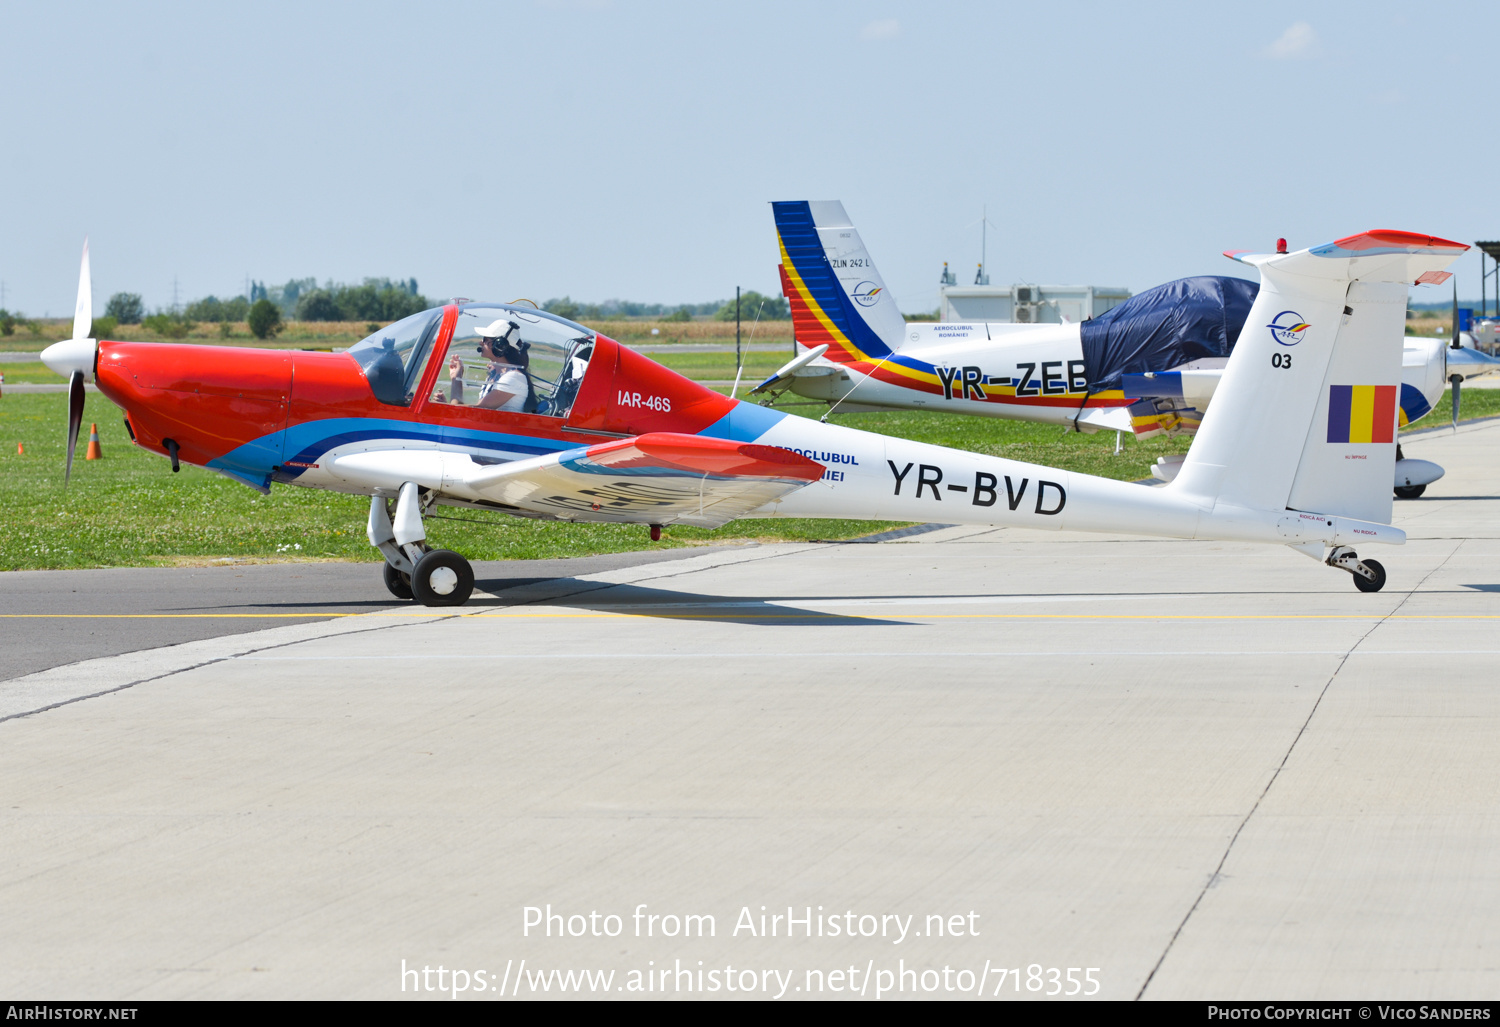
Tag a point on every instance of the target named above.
point(1299, 40)
point(890, 28)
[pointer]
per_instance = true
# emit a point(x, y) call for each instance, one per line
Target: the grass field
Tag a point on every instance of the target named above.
point(129, 510)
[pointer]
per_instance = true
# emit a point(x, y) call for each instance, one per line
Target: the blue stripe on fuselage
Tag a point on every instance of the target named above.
point(306, 443)
point(1161, 385)
point(746, 422)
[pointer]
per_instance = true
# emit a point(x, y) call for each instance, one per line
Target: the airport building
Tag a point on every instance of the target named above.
point(1025, 304)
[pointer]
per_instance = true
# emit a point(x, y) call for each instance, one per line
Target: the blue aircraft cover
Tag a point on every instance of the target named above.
point(1160, 328)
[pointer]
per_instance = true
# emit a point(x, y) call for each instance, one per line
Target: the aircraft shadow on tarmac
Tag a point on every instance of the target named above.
point(604, 597)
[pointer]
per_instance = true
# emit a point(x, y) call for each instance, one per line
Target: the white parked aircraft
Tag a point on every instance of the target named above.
point(1148, 366)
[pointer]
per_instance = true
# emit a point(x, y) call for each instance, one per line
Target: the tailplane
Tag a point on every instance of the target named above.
point(836, 295)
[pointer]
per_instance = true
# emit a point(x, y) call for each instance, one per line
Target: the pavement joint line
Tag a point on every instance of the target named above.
point(648, 610)
point(1276, 774)
point(175, 671)
point(421, 615)
point(924, 654)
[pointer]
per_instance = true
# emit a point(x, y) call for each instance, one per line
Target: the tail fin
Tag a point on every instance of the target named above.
point(836, 295)
point(1305, 417)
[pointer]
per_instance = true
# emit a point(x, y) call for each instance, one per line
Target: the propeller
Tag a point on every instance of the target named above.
point(75, 419)
point(1455, 380)
point(74, 358)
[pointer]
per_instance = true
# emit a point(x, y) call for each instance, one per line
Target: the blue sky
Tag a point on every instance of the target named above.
point(614, 149)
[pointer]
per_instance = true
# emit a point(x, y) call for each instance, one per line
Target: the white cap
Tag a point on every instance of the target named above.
point(499, 328)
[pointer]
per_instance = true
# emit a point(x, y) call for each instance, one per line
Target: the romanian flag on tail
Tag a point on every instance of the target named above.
point(1362, 413)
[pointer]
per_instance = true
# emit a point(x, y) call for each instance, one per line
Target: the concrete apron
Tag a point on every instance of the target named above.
point(1206, 770)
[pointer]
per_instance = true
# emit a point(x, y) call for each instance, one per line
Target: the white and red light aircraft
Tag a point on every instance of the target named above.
point(1148, 366)
point(1297, 449)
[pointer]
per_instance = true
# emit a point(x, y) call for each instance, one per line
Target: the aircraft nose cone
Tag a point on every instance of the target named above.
point(71, 355)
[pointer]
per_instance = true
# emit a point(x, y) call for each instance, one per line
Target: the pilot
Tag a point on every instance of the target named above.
point(506, 386)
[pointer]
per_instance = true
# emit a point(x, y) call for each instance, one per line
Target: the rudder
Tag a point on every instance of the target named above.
point(1305, 417)
point(836, 295)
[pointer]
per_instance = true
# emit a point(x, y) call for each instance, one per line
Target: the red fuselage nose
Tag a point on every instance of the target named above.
point(228, 407)
point(209, 400)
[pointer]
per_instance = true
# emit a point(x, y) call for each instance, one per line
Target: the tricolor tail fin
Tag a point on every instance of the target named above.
point(836, 295)
point(1305, 417)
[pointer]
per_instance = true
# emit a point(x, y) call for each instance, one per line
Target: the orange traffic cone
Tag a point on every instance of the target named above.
point(94, 452)
point(20, 449)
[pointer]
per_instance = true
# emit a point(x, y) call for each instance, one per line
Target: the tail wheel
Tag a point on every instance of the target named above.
point(1409, 491)
point(397, 582)
point(1364, 584)
point(442, 578)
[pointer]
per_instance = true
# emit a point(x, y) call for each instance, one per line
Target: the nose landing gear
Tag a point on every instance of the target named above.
point(414, 570)
point(1369, 575)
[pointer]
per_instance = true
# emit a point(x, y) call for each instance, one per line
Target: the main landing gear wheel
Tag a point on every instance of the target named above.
point(1364, 584)
point(1409, 491)
point(398, 583)
point(442, 578)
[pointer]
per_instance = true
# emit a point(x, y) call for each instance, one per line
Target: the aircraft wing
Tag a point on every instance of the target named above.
point(657, 478)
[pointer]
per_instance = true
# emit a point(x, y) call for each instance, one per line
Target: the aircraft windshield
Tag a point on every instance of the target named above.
point(535, 365)
point(393, 358)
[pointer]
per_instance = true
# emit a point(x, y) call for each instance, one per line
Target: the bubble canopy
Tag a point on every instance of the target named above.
point(556, 353)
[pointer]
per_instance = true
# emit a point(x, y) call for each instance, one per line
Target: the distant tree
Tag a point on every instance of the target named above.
point(294, 288)
point(374, 299)
point(770, 308)
point(125, 308)
point(168, 326)
point(211, 308)
point(318, 305)
point(680, 314)
point(564, 307)
point(8, 322)
point(264, 318)
point(104, 327)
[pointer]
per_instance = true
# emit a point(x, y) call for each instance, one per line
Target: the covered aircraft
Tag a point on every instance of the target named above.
point(501, 407)
point(1147, 366)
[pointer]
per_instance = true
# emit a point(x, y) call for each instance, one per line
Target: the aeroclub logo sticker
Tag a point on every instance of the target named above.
point(1287, 327)
point(866, 293)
